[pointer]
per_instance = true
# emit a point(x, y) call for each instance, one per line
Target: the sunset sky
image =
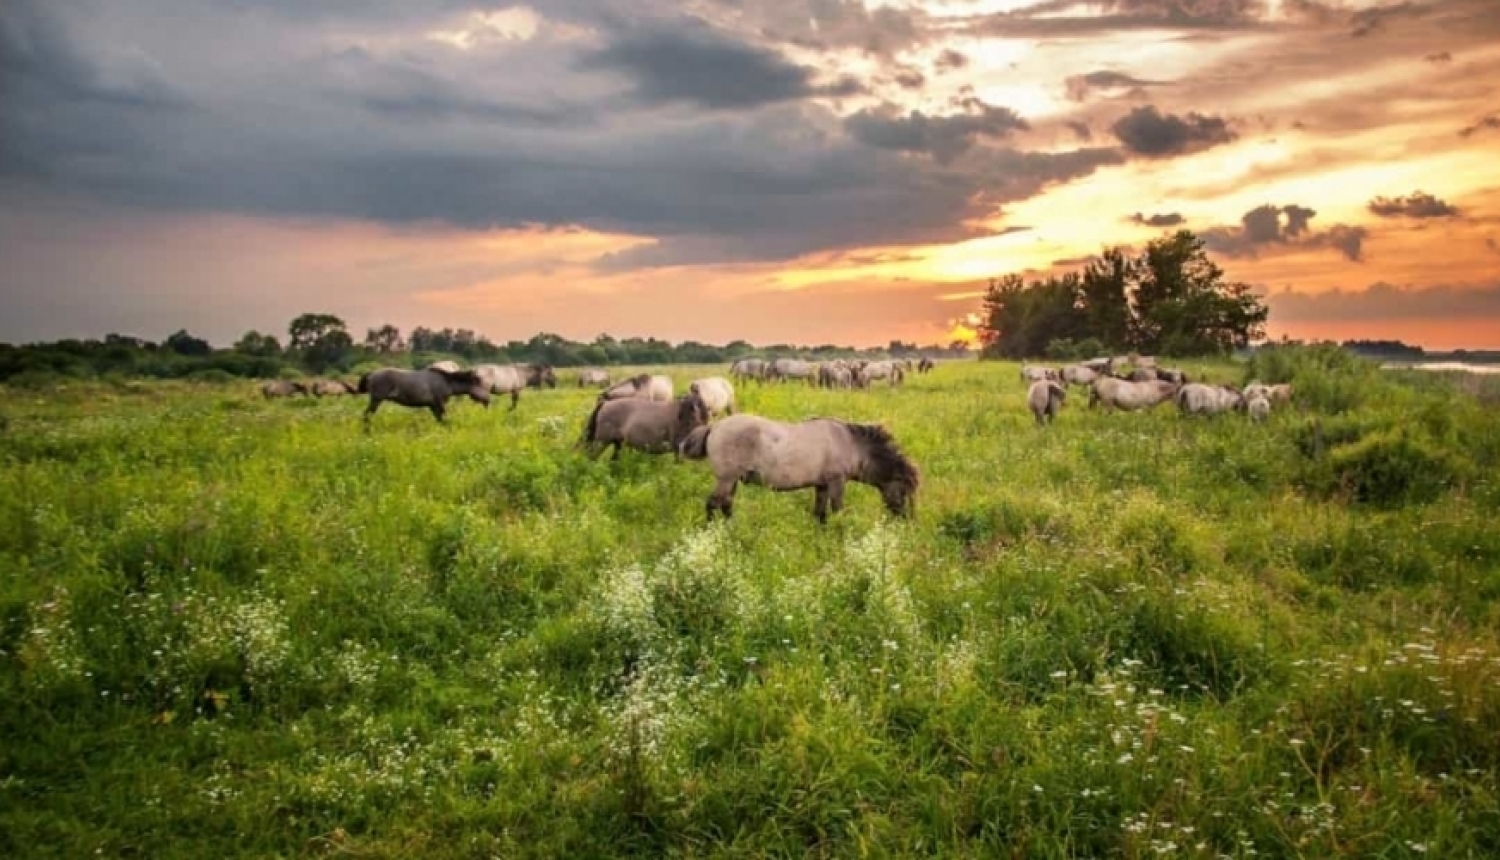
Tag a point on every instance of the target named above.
point(806, 171)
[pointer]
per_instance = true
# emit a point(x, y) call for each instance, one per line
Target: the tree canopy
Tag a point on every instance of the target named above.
point(1170, 299)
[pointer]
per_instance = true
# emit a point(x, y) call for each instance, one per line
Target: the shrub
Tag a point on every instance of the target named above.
point(1391, 468)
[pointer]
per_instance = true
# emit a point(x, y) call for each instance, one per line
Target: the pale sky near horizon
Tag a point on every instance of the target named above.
point(804, 171)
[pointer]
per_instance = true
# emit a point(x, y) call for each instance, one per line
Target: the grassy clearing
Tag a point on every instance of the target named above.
point(245, 628)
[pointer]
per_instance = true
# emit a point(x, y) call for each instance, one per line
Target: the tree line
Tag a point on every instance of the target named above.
point(321, 343)
point(1170, 299)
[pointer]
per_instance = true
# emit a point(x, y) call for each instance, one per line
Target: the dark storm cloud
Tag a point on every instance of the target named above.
point(695, 64)
point(1167, 219)
point(941, 137)
point(824, 24)
point(1272, 228)
point(1415, 205)
point(1363, 22)
point(1148, 132)
point(1383, 301)
point(1059, 18)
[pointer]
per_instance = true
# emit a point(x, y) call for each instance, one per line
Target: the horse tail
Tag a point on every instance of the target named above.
point(592, 427)
point(364, 383)
point(694, 446)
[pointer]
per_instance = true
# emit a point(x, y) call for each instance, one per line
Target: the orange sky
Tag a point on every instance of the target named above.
point(772, 170)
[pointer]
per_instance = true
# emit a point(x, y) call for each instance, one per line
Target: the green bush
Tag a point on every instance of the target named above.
point(1394, 467)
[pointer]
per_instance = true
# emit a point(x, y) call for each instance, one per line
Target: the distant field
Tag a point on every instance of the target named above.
point(232, 627)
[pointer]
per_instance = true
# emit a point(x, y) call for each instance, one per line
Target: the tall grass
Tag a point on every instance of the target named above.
point(246, 628)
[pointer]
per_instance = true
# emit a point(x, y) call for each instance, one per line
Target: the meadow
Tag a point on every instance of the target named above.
point(234, 627)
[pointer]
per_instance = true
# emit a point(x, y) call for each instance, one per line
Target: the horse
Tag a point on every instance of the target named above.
point(643, 385)
point(1036, 373)
point(879, 370)
point(716, 392)
point(748, 368)
point(646, 425)
point(823, 453)
point(593, 376)
point(282, 388)
point(445, 366)
point(1280, 393)
point(421, 388)
point(1172, 374)
point(1196, 398)
point(925, 365)
point(1129, 396)
point(1259, 409)
point(1045, 398)
point(332, 387)
point(1144, 374)
point(1079, 374)
point(789, 368)
point(511, 378)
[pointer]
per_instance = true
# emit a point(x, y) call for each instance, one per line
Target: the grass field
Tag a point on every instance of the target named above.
point(239, 628)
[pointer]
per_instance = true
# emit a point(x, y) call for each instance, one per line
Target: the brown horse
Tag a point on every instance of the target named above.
point(823, 453)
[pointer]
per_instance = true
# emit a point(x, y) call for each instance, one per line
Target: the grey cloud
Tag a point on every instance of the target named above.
point(37, 55)
point(1167, 219)
point(1059, 18)
point(1383, 301)
point(1363, 22)
point(942, 137)
point(949, 60)
point(1287, 227)
point(832, 24)
point(1148, 132)
point(1439, 57)
point(1415, 205)
point(693, 63)
point(1079, 86)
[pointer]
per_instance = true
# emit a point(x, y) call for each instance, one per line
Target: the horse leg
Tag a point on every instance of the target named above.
point(836, 495)
point(722, 498)
point(437, 412)
point(370, 410)
point(618, 445)
point(820, 504)
point(515, 398)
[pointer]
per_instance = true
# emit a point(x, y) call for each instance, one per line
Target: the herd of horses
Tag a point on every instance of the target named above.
point(1135, 383)
point(644, 412)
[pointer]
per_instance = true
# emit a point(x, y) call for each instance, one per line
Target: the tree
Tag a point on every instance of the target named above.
point(183, 343)
point(261, 345)
point(1171, 299)
point(384, 340)
point(308, 329)
point(320, 339)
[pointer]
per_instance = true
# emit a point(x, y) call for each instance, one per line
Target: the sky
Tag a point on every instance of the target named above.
point(778, 171)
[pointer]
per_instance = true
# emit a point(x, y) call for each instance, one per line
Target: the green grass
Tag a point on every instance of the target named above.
point(232, 627)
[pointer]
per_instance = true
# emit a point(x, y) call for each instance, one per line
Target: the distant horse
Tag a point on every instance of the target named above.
point(749, 368)
point(925, 365)
point(644, 386)
point(717, 394)
point(823, 453)
point(1129, 396)
point(1045, 398)
point(1259, 409)
point(332, 388)
point(1079, 374)
point(1036, 373)
point(646, 425)
point(511, 378)
point(879, 370)
point(790, 368)
point(593, 376)
point(282, 388)
point(1196, 398)
point(421, 388)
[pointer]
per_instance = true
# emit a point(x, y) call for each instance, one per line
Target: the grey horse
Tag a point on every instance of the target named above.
point(652, 426)
point(822, 453)
point(427, 388)
point(282, 388)
point(1045, 398)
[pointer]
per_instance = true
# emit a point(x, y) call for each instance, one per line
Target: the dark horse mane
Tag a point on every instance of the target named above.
point(886, 459)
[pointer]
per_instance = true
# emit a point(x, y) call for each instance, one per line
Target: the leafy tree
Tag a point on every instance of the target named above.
point(1171, 299)
point(254, 343)
point(384, 340)
point(308, 329)
point(183, 343)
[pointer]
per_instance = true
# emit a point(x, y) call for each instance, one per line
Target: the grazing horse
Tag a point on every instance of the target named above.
point(1196, 398)
point(790, 368)
point(511, 378)
point(1045, 398)
point(1259, 409)
point(717, 394)
point(282, 388)
point(1129, 396)
point(1079, 374)
point(749, 368)
point(823, 453)
point(1144, 374)
point(646, 425)
point(332, 387)
point(925, 365)
point(593, 376)
point(421, 388)
point(874, 370)
point(1280, 393)
point(1036, 373)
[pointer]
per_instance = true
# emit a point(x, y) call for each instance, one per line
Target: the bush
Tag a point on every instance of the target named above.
point(1393, 467)
point(1066, 349)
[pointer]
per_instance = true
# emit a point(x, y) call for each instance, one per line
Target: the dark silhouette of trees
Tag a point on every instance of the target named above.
point(1171, 299)
point(254, 343)
point(320, 340)
point(183, 343)
point(384, 340)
